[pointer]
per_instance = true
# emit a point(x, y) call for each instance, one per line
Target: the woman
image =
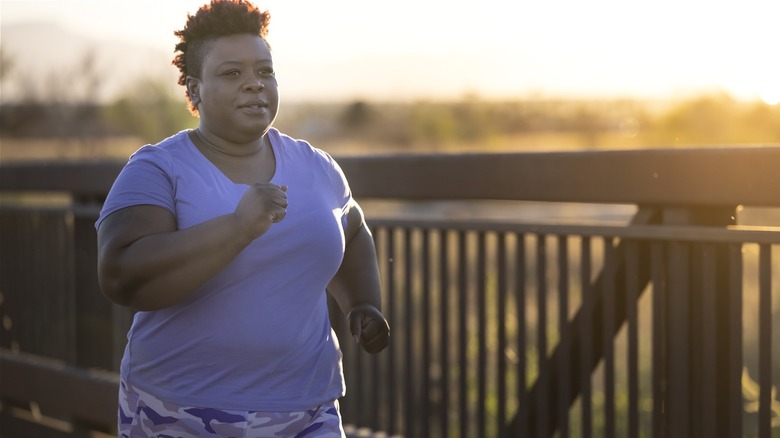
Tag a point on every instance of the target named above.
point(225, 239)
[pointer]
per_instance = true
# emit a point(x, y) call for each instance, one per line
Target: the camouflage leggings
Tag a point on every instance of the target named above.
point(143, 415)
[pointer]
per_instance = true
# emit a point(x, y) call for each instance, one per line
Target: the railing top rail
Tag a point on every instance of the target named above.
point(90, 178)
point(683, 233)
point(694, 177)
point(685, 177)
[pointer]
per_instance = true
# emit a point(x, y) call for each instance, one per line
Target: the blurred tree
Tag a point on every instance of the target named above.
point(6, 64)
point(65, 105)
point(716, 119)
point(150, 111)
point(474, 119)
point(432, 123)
point(588, 122)
point(357, 115)
point(704, 120)
point(69, 104)
point(759, 123)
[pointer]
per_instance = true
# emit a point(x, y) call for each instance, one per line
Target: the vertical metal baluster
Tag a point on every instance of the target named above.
point(563, 321)
point(709, 329)
point(658, 279)
point(632, 321)
point(481, 335)
point(410, 329)
point(541, 331)
point(765, 341)
point(444, 280)
point(501, 334)
point(392, 386)
point(520, 276)
point(426, 334)
point(735, 340)
point(463, 336)
point(679, 336)
point(587, 338)
point(608, 339)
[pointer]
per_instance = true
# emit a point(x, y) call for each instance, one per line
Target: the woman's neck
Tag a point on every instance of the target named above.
point(257, 163)
point(225, 149)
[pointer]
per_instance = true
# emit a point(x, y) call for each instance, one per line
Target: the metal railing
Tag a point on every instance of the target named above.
point(627, 318)
point(658, 325)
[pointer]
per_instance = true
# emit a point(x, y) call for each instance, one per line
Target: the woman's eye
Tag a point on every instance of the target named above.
point(266, 72)
point(231, 73)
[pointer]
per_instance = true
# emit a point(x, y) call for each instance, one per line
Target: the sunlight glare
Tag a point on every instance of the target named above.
point(770, 96)
point(445, 48)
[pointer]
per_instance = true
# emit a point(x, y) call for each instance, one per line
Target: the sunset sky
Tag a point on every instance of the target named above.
point(411, 49)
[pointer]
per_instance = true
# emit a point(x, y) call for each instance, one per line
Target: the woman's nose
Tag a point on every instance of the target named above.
point(254, 84)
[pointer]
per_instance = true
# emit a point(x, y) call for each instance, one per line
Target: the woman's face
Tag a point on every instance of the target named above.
point(237, 95)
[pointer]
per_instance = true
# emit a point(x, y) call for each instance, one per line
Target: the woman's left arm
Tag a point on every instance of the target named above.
point(356, 286)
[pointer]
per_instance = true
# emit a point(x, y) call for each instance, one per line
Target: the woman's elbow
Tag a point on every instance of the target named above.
point(111, 285)
point(116, 282)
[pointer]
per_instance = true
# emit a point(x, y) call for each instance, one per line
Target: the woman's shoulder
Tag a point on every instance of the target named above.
point(162, 154)
point(162, 150)
point(298, 147)
point(169, 145)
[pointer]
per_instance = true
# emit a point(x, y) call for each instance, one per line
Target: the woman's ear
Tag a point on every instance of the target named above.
point(193, 90)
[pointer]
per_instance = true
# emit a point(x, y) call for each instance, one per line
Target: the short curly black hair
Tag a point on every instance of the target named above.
point(217, 19)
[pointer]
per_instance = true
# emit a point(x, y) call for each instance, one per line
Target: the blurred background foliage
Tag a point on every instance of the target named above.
point(64, 110)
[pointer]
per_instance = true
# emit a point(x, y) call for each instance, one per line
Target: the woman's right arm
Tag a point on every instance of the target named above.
point(145, 262)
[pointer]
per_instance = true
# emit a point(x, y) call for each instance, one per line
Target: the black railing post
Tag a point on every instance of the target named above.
point(702, 379)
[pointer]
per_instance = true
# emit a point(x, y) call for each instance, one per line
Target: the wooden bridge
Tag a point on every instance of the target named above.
point(571, 294)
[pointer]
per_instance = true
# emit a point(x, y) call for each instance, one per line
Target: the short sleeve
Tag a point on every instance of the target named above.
point(338, 182)
point(145, 180)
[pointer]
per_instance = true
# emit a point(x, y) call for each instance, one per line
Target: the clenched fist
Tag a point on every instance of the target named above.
point(262, 205)
point(369, 328)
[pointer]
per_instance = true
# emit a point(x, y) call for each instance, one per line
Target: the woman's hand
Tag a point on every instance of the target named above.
point(369, 328)
point(262, 205)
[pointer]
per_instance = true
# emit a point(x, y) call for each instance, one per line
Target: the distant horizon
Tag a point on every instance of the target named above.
point(346, 50)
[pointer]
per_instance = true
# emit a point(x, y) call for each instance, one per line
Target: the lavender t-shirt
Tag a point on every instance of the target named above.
point(257, 335)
